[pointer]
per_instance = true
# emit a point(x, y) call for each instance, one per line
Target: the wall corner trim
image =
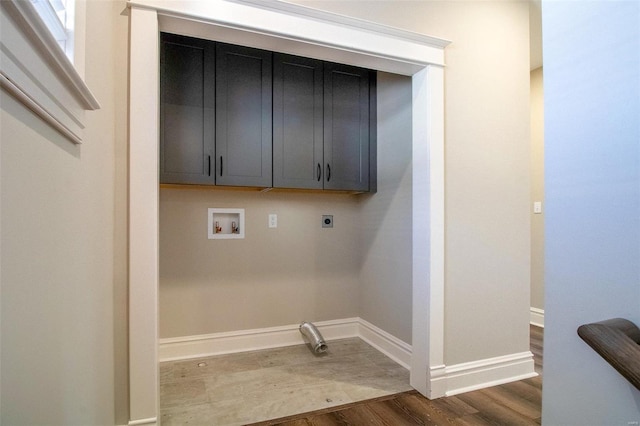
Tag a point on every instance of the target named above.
point(386, 343)
point(536, 317)
point(474, 375)
point(437, 383)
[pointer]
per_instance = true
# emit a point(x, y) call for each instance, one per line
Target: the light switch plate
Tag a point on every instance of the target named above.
point(537, 207)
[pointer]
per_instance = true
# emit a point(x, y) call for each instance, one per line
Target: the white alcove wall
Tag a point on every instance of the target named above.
point(279, 26)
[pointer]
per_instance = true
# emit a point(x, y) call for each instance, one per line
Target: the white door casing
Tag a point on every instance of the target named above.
point(283, 27)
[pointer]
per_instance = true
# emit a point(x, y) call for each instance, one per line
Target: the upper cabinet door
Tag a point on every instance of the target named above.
point(346, 127)
point(243, 116)
point(297, 122)
point(187, 110)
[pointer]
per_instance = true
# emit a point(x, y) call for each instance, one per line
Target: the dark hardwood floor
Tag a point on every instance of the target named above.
point(516, 403)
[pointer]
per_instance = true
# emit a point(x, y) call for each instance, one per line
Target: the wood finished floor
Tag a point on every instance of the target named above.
point(236, 389)
point(517, 403)
point(249, 387)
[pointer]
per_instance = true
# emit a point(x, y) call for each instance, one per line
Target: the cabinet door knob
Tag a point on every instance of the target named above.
point(319, 172)
point(328, 172)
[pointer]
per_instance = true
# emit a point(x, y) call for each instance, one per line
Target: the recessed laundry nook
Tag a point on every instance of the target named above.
point(299, 171)
point(235, 304)
point(313, 137)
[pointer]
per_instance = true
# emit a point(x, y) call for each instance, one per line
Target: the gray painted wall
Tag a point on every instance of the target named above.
point(59, 362)
point(298, 271)
point(537, 189)
point(385, 218)
point(592, 180)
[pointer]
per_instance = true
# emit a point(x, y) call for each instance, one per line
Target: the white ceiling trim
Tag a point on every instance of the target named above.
point(347, 21)
point(284, 27)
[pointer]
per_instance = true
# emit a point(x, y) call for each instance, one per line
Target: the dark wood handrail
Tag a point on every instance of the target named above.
point(617, 340)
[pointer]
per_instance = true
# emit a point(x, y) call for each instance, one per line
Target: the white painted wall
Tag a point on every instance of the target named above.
point(57, 254)
point(298, 271)
point(592, 181)
point(537, 189)
point(385, 218)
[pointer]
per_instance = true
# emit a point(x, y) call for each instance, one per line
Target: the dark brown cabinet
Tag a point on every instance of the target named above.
point(243, 116)
point(347, 127)
point(238, 116)
point(324, 125)
point(297, 122)
point(215, 113)
point(187, 110)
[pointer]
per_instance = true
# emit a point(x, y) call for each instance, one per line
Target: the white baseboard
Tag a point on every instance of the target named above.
point(469, 376)
point(178, 348)
point(437, 382)
point(536, 317)
point(187, 347)
point(445, 380)
point(150, 421)
point(389, 345)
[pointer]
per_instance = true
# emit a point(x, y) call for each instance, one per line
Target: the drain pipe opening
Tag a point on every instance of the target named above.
point(314, 337)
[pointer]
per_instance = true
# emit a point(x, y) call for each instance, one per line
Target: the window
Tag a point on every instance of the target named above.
point(36, 66)
point(58, 16)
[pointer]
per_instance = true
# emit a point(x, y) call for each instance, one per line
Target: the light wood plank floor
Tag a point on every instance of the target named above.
point(247, 387)
point(517, 403)
point(351, 385)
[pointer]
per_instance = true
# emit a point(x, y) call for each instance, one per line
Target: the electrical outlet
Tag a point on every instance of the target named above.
point(327, 221)
point(273, 221)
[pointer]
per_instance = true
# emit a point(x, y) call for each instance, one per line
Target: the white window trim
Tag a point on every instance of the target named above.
point(48, 14)
point(27, 41)
point(61, 27)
